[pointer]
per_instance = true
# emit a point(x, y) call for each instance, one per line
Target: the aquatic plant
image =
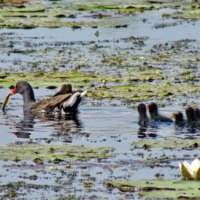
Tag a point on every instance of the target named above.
point(191, 172)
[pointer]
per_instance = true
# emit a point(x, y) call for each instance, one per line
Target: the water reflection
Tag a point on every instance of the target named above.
point(144, 132)
point(25, 127)
point(68, 129)
point(72, 123)
point(165, 129)
point(157, 128)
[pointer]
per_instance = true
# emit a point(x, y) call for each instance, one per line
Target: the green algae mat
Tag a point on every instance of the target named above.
point(55, 153)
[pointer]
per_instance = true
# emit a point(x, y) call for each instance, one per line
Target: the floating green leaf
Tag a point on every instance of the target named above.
point(159, 188)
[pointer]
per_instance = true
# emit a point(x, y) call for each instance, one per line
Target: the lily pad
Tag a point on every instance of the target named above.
point(160, 188)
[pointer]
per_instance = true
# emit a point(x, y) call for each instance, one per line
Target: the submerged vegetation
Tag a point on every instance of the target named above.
point(129, 68)
point(157, 74)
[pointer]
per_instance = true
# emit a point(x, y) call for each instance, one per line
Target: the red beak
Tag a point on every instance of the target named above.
point(14, 91)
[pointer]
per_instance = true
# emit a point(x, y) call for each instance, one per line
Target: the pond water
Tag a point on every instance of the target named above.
point(95, 126)
point(99, 124)
point(40, 38)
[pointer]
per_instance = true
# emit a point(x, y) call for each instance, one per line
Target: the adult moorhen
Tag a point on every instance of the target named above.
point(143, 118)
point(66, 102)
point(179, 119)
point(154, 114)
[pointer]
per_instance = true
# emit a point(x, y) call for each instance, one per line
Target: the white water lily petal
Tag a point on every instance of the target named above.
point(185, 172)
point(190, 171)
point(198, 174)
point(195, 164)
point(179, 164)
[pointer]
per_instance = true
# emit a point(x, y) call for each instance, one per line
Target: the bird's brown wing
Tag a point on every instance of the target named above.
point(65, 89)
point(51, 103)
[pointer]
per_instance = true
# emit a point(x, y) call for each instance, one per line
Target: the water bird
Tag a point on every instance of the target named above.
point(154, 114)
point(179, 118)
point(65, 102)
point(196, 114)
point(143, 118)
point(191, 121)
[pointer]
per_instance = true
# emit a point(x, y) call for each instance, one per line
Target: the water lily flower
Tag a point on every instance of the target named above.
point(191, 172)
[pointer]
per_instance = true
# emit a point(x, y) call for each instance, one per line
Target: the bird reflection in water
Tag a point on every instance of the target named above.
point(70, 128)
point(144, 131)
point(70, 123)
point(25, 126)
